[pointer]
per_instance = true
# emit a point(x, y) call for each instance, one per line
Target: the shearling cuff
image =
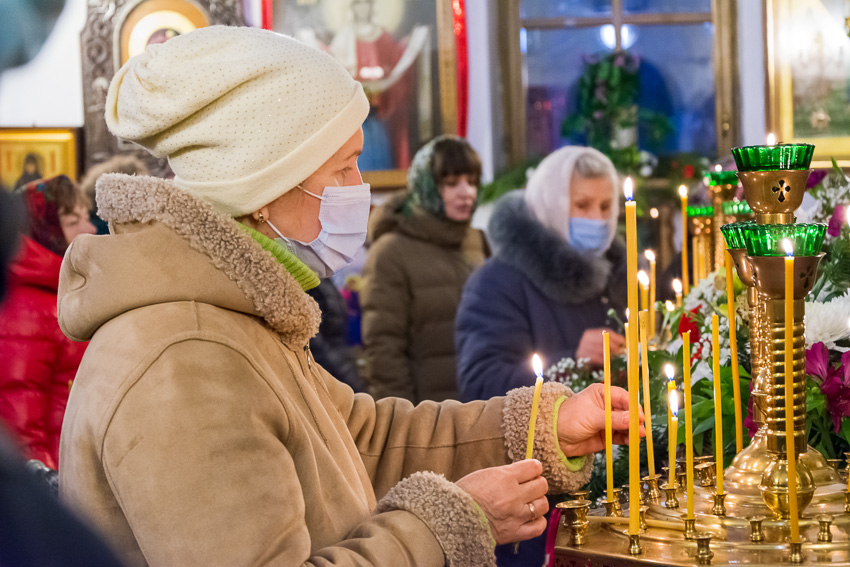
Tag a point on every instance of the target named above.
point(556, 468)
point(451, 514)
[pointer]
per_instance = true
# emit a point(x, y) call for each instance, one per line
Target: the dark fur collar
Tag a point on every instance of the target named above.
point(557, 269)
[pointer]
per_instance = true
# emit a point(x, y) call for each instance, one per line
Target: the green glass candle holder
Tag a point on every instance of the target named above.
point(771, 158)
point(767, 239)
point(704, 211)
point(735, 234)
point(736, 208)
point(722, 178)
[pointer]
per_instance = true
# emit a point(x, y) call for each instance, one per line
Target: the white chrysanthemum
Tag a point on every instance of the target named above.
point(828, 322)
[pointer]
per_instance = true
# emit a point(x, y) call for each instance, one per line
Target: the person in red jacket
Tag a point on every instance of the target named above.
point(39, 362)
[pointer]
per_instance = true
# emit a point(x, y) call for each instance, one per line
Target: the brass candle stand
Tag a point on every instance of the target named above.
point(749, 523)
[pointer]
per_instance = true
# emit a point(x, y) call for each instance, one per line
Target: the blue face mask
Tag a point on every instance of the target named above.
point(588, 235)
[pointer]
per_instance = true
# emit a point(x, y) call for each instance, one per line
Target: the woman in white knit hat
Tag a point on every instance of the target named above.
point(199, 430)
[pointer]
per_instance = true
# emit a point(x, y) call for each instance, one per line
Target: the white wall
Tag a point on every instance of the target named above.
point(48, 91)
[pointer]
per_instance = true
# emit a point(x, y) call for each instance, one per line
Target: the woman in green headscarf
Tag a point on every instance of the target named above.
point(423, 250)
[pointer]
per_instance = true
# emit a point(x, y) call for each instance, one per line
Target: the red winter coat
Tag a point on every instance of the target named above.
point(37, 362)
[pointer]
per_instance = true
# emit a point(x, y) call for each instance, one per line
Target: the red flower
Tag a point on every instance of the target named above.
point(688, 172)
point(687, 324)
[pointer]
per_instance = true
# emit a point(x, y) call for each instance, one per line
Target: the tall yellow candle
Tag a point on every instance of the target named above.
point(535, 403)
point(733, 342)
point(632, 360)
point(609, 430)
point(677, 289)
point(643, 281)
point(718, 401)
point(683, 196)
point(789, 392)
point(650, 256)
point(689, 426)
point(647, 408)
point(672, 424)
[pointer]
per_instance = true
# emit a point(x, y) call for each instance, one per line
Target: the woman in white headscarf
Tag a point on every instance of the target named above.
point(556, 271)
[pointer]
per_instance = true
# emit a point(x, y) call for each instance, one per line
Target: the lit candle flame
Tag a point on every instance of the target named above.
point(771, 139)
point(674, 403)
point(718, 167)
point(653, 212)
point(643, 279)
point(627, 314)
point(677, 286)
point(669, 371)
point(669, 305)
point(628, 188)
point(650, 255)
point(788, 247)
point(683, 191)
point(537, 365)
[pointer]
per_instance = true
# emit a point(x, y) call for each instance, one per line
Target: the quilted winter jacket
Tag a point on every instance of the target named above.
point(201, 432)
point(38, 361)
point(413, 280)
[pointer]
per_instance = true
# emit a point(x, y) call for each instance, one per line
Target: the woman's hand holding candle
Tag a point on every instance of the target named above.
point(581, 420)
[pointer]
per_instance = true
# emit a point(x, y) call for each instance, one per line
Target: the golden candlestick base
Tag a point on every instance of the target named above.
point(719, 509)
point(756, 535)
point(690, 528)
point(670, 490)
point(705, 470)
point(825, 528)
point(847, 500)
point(652, 491)
point(634, 545)
point(628, 489)
point(642, 518)
point(682, 481)
point(774, 487)
point(612, 508)
point(580, 495)
point(704, 553)
point(796, 553)
point(574, 514)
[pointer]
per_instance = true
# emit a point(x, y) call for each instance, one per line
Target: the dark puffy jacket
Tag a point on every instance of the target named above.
point(39, 362)
point(329, 347)
point(413, 279)
point(537, 294)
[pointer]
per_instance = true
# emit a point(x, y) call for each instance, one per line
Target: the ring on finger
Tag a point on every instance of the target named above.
point(533, 511)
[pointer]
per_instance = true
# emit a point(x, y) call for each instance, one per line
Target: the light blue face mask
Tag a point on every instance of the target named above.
point(588, 235)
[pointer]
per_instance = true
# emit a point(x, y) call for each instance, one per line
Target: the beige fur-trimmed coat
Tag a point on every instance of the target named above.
point(200, 432)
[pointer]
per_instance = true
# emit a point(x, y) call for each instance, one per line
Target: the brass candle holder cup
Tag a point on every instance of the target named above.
point(705, 473)
point(719, 508)
point(634, 544)
point(670, 490)
point(847, 500)
point(690, 528)
point(756, 533)
point(642, 518)
point(704, 553)
point(824, 528)
point(574, 518)
point(580, 495)
point(652, 491)
point(612, 507)
point(796, 553)
point(628, 489)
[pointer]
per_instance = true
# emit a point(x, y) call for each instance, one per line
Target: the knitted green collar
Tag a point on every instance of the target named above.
point(305, 277)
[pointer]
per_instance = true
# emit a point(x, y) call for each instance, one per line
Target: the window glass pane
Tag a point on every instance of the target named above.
point(680, 83)
point(677, 83)
point(564, 8)
point(666, 6)
point(554, 62)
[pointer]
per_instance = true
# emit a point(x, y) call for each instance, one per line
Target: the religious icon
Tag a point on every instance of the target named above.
point(28, 154)
point(156, 21)
point(390, 46)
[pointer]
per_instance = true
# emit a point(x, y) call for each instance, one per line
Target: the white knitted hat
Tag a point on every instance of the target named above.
point(243, 115)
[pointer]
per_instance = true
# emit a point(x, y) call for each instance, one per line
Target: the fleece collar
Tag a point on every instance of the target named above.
point(182, 250)
point(556, 268)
